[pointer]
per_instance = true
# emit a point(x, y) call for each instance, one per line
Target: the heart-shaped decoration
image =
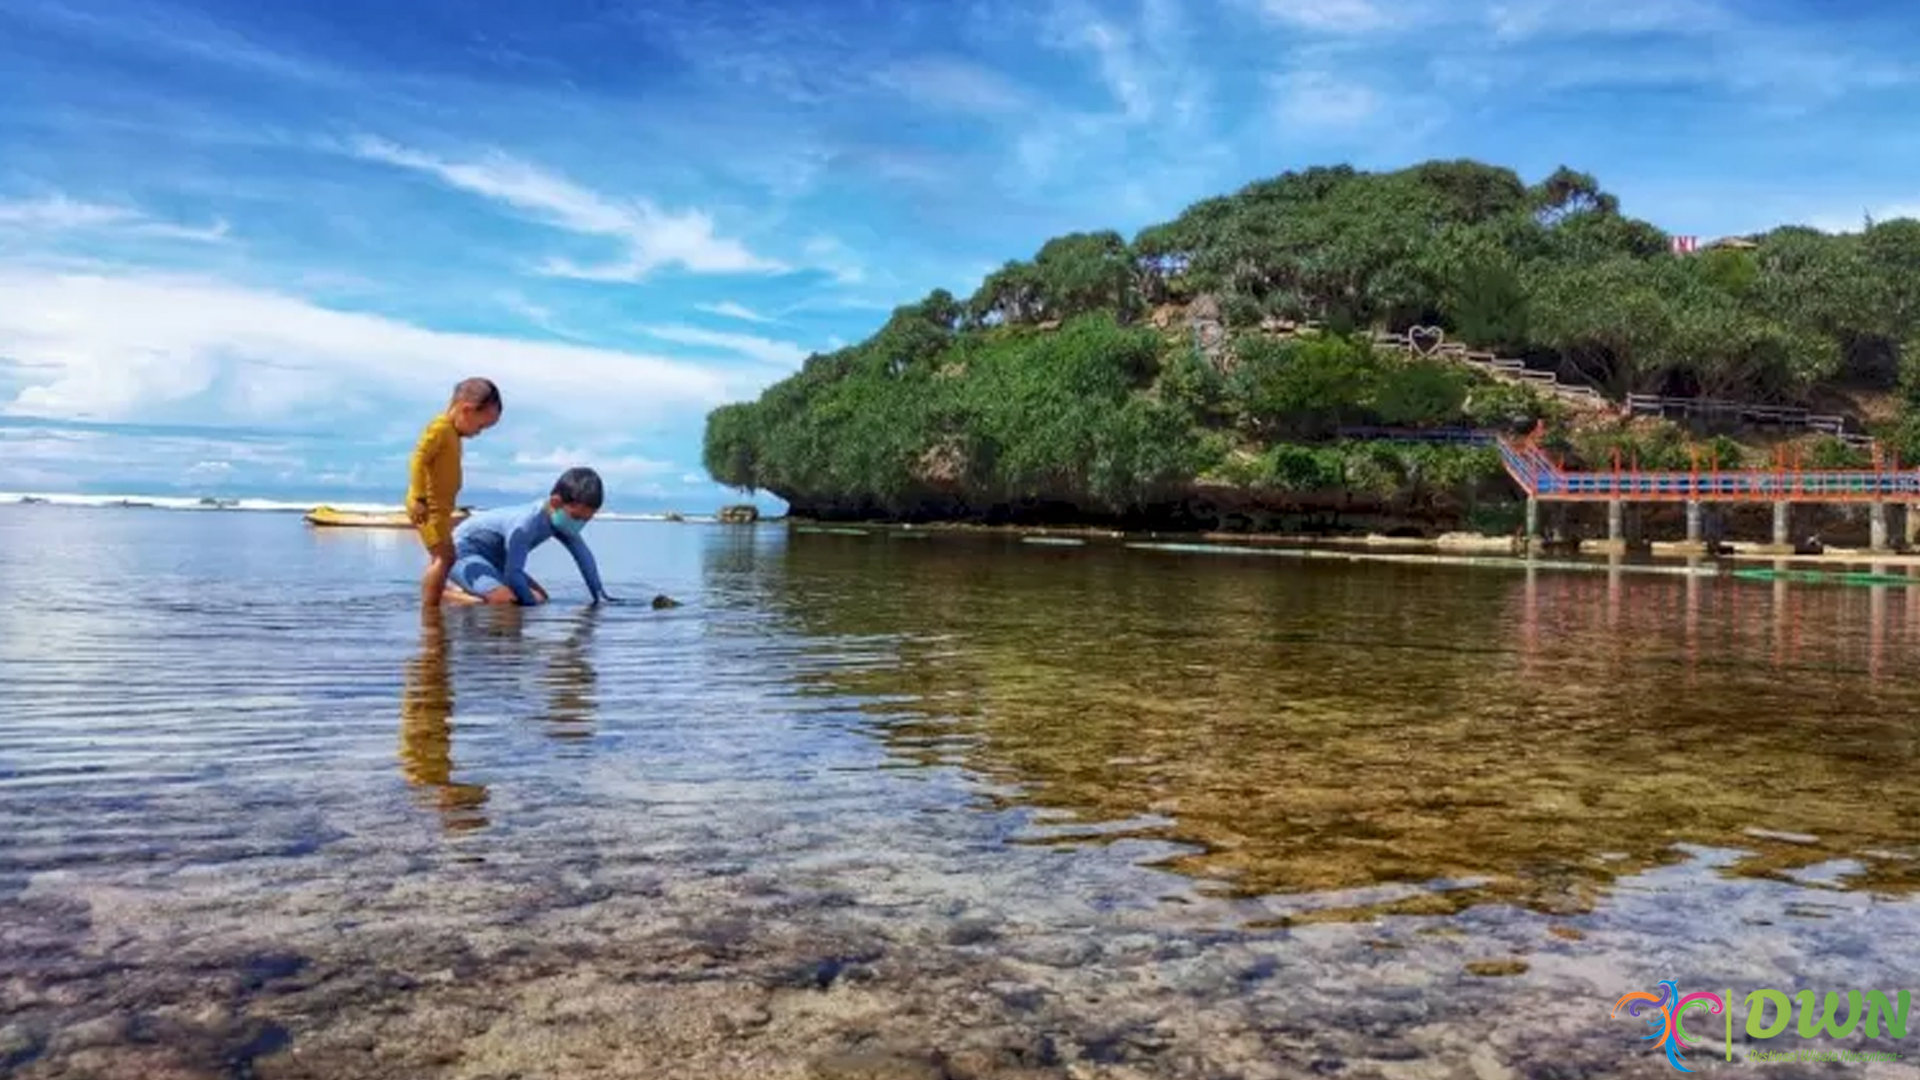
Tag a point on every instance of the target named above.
point(1425, 340)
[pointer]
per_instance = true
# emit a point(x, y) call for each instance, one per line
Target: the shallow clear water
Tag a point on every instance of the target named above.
point(1115, 809)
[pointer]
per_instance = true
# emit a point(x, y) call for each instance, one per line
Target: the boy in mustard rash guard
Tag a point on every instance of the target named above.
point(433, 484)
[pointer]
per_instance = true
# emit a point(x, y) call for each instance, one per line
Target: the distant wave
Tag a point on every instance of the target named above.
point(266, 506)
point(186, 502)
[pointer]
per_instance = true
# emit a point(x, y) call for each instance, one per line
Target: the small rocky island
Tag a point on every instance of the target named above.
point(1327, 351)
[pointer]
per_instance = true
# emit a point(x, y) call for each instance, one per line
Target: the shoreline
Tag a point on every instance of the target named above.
point(1360, 545)
point(1445, 544)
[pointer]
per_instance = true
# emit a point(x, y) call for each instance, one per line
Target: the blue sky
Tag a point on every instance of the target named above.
point(247, 247)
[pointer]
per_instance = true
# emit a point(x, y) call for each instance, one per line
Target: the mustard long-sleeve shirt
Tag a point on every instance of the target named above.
point(435, 475)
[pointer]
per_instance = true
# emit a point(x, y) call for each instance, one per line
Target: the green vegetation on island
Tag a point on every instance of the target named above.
point(1087, 384)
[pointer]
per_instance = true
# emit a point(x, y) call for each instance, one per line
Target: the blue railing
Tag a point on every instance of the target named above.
point(1454, 435)
point(1745, 484)
point(1540, 477)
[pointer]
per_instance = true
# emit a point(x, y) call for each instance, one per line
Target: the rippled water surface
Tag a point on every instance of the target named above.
point(894, 804)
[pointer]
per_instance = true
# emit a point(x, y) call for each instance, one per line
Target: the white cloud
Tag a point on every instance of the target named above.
point(840, 303)
point(1785, 67)
point(1143, 63)
point(1327, 16)
point(1319, 99)
point(45, 458)
point(731, 310)
point(215, 233)
point(1116, 57)
point(833, 256)
point(1856, 222)
point(653, 237)
point(611, 466)
point(945, 83)
point(149, 29)
point(59, 213)
point(537, 315)
point(534, 313)
point(627, 475)
point(1520, 20)
point(132, 347)
point(765, 350)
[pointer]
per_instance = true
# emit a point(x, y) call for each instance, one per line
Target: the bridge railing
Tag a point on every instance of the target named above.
point(1430, 341)
point(1775, 415)
point(1539, 476)
point(1740, 486)
point(1526, 464)
point(1450, 435)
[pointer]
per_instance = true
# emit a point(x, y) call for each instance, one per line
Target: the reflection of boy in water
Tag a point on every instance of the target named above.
point(569, 682)
point(426, 732)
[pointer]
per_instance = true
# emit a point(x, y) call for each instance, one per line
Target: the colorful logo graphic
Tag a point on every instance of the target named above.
point(1664, 1013)
point(1770, 1013)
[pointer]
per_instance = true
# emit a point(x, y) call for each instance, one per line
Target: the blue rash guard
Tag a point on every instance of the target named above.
point(490, 549)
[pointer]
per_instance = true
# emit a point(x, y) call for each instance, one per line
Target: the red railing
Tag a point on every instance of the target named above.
point(1544, 477)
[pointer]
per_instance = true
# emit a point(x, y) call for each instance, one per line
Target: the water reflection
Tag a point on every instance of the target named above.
point(1362, 739)
point(569, 680)
point(426, 732)
point(1794, 625)
point(507, 671)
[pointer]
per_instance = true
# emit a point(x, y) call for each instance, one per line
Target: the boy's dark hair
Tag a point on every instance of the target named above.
point(580, 486)
point(480, 393)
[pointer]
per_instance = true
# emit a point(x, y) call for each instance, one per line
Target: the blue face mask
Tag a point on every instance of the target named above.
point(566, 523)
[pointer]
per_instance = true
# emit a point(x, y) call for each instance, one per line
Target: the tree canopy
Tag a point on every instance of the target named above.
point(1073, 381)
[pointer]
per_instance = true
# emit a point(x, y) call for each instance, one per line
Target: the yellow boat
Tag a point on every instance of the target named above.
point(328, 518)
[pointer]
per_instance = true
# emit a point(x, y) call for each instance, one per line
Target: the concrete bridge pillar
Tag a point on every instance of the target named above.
point(1782, 530)
point(1623, 530)
point(1696, 543)
point(1533, 518)
point(1877, 527)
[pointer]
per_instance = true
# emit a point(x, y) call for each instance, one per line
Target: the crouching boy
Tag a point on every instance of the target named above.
point(490, 549)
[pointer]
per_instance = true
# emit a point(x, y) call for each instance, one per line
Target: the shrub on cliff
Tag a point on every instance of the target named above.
point(981, 401)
